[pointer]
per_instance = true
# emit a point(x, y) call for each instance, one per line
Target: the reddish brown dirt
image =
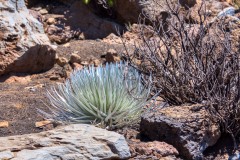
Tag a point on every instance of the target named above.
point(22, 95)
point(19, 103)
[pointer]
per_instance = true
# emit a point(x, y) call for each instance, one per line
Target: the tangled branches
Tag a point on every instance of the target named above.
point(193, 62)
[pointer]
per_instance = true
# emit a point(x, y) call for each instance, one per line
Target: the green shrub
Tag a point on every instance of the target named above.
point(112, 96)
point(109, 3)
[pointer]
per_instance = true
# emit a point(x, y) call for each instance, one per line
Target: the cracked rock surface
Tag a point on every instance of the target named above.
point(188, 128)
point(75, 142)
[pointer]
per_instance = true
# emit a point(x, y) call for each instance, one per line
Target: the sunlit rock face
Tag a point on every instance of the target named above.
point(24, 47)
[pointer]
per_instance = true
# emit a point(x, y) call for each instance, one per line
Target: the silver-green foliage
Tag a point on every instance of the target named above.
point(112, 96)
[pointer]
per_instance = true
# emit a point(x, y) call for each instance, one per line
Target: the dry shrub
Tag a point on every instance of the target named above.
point(193, 62)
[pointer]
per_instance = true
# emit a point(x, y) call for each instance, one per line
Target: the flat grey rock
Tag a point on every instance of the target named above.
point(73, 142)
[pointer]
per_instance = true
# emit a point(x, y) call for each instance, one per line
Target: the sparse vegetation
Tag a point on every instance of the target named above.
point(175, 95)
point(112, 96)
point(192, 62)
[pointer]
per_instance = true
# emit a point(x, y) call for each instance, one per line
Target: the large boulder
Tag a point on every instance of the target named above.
point(157, 10)
point(128, 10)
point(188, 128)
point(24, 47)
point(91, 25)
point(75, 142)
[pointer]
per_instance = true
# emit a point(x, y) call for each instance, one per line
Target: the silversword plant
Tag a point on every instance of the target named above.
point(112, 96)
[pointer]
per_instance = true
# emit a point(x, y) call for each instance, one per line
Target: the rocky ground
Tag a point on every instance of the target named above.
point(23, 94)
